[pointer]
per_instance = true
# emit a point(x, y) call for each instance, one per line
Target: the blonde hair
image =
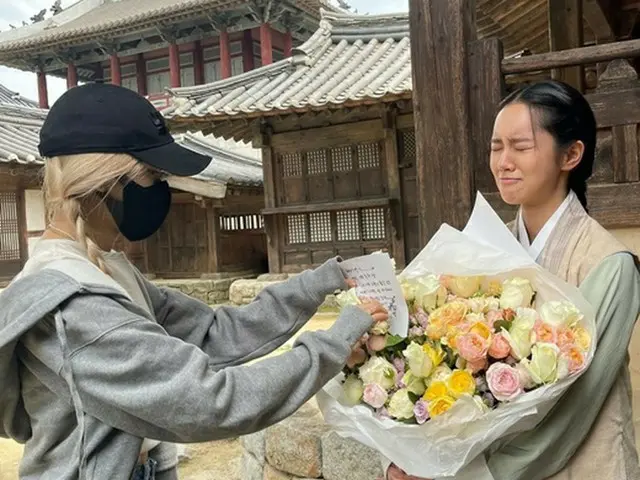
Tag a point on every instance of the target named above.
point(70, 179)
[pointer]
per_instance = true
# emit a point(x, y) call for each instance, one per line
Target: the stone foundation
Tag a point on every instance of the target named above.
point(304, 447)
point(212, 291)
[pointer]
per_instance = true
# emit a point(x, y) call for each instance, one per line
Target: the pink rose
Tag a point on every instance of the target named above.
point(477, 366)
point(500, 347)
point(493, 316)
point(376, 343)
point(375, 395)
point(504, 382)
point(472, 347)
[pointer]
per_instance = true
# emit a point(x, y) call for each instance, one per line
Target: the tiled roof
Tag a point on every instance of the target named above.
point(350, 59)
point(90, 19)
point(19, 129)
point(13, 98)
point(233, 163)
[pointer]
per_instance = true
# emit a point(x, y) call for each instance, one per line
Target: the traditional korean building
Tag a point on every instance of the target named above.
point(149, 45)
point(211, 212)
point(336, 124)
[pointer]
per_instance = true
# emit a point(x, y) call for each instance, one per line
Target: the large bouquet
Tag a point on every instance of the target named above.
point(492, 342)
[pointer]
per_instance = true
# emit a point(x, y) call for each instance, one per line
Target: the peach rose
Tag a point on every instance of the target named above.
point(500, 347)
point(472, 347)
point(545, 333)
point(477, 366)
point(504, 382)
point(493, 316)
point(574, 357)
point(565, 338)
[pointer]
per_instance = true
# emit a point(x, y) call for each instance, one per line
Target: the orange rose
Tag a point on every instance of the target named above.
point(574, 357)
point(545, 333)
point(565, 338)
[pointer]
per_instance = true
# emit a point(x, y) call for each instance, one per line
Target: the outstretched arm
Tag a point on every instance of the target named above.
point(236, 335)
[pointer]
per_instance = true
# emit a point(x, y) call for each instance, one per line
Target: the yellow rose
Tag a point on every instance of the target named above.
point(463, 287)
point(414, 384)
point(560, 314)
point(583, 338)
point(419, 362)
point(494, 289)
point(451, 313)
point(461, 383)
point(440, 405)
point(543, 366)
point(481, 329)
point(436, 355)
point(400, 405)
point(436, 389)
point(516, 292)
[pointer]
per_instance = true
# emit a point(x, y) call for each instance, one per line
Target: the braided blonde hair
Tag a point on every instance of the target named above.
point(69, 179)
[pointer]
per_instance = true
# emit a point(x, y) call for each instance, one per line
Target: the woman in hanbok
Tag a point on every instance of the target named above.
point(542, 154)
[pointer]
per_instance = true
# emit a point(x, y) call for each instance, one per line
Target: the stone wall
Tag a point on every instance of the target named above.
point(212, 291)
point(304, 447)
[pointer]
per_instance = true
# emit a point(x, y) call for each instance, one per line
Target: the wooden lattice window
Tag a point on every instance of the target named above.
point(292, 165)
point(297, 228)
point(408, 146)
point(320, 227)
point(9, 227)
point(231, 223)
point(317, 162)
point(348, 223)
point(368, 156)
point(342, 159)
point(373, 223)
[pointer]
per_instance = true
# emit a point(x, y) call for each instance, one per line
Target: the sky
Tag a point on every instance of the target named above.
point(13, 12)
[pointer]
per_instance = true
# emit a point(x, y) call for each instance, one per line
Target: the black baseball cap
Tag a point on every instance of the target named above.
point(105, 118)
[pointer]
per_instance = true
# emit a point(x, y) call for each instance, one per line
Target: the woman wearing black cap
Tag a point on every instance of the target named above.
point(542, 154)
point(98, 366)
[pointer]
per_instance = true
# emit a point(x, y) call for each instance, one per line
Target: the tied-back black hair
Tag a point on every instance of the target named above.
point(564, 113)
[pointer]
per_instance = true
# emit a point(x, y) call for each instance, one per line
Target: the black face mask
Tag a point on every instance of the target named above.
point(142, 210)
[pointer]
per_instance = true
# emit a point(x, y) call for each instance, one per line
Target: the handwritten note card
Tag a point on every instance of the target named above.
point(376, 278)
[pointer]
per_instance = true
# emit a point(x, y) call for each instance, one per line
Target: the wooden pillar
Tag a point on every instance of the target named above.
point(225, 54)
point(198, 63)
point(266, 44)
point(141, 74)
point(247, 51)
point(393, 184)
point(21, 209)
point(213, 240)
point(565, 32)
point(43, 95)
point(263, 141)
point(440, 32)
point(174, 65)
point(116, 74)
point(288, 43)
point(72, 76)
point(99, 72)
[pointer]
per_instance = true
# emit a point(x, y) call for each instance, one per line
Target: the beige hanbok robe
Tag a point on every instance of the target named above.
point(589, 434)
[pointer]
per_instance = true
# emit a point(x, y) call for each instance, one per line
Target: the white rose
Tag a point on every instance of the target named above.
point(474, 318)
point(400, 405)
point(419, 362)
point(352, 388)
point(429, 293)
point(414, 384)
point(482, 407)
point(380, 371)
point(440, 374)
point(560, 314)
point(348, 297)
point(516, 292)
point(543, 366)
point(525, 377)
point(491, 303)
point(525, 318)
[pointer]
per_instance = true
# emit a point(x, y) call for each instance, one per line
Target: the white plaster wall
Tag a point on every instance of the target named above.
point(35, 213)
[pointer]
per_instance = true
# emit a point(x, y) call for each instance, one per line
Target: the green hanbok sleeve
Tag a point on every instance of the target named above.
point(613, 288)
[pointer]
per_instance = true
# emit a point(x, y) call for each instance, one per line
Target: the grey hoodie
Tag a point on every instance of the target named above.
point(85, 374)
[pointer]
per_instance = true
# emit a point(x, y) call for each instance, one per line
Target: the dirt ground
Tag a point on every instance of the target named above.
point(207, 461)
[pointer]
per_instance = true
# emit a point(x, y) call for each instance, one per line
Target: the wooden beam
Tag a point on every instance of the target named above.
point(565, 32)
point(440, 33)
point(288, 43)
point(43, 94)
point(141, 74)
point(72, 76)
point(275, 236)
point(597, 13)
point(225, 54)
point(575, 56)
point(328, 206)
point(116, 74)
point(174, 65)
point(198, 63)
point(247, 51)
point(213, 238)
point(266, 47)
